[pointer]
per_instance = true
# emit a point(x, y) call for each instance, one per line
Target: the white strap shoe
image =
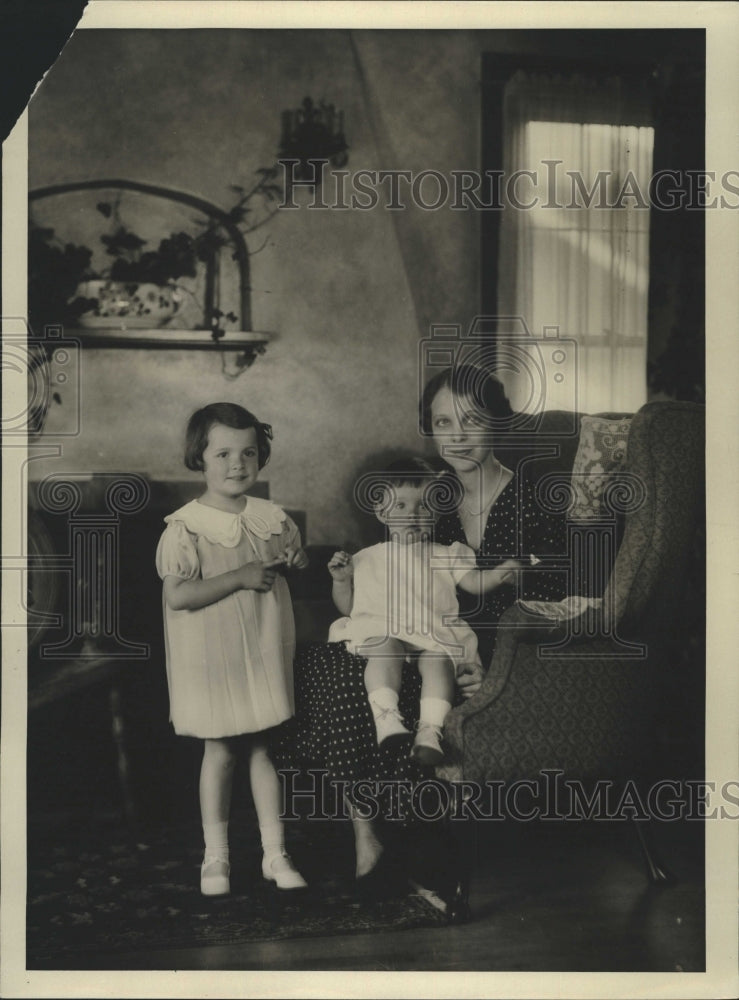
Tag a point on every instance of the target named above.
point(215, 874)
point(427, 744)
point(389, 724)
point(281, 870)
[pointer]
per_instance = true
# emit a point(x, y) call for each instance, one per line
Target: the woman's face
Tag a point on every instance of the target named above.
point(459, 431)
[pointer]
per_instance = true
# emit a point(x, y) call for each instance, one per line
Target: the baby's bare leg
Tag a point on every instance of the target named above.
point(384, 665)
point(437, 676)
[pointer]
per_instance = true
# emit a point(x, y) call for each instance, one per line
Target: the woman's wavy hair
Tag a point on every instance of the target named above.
point(484, 389)
point(230, 415)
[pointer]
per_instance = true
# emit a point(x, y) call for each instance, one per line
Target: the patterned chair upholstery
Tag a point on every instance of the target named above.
point(590, 707)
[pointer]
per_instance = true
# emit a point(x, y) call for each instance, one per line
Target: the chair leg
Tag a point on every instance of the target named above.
point(657, 873)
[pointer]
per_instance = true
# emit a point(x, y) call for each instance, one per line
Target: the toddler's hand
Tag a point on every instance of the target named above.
point(260, 575)
point(340, 567)
point(296, 558)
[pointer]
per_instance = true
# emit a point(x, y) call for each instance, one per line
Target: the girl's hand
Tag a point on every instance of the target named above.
point(260, 575)
point(340, 567)
point(296, 558)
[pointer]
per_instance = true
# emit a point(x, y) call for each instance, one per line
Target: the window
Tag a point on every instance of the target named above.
point(574, 234)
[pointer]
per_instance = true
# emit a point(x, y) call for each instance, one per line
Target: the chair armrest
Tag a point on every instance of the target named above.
point(583, 707)
point(517, 626)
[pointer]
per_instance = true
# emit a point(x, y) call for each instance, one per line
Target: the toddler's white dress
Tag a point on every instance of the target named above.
point(229, 664)
point(408, 592)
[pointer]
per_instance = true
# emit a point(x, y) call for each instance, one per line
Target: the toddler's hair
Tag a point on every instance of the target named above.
point(373, 490)
point(410, 470)
point(484, 390)
point(230, 415)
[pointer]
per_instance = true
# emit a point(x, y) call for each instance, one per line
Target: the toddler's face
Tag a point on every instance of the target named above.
point(406, 512)
point(230, 461)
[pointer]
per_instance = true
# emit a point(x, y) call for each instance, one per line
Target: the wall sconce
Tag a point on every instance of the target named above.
point(313, 132)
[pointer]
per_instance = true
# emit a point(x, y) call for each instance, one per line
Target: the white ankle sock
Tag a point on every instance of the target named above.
point(273, 839)
point(215, 836)
point(434, 710)
point(381, 699)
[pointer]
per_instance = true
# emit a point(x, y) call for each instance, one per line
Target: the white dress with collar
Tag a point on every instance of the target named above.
point(230, 664)
point(408, 592)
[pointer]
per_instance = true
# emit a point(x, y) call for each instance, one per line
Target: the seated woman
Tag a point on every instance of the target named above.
point(497, 515)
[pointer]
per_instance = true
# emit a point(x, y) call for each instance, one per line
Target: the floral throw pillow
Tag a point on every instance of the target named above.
point(601, 453)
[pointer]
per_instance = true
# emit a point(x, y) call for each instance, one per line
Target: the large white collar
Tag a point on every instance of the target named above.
point(261, 517)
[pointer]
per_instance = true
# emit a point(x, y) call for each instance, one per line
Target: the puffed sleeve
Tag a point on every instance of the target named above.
point(291, 534)
point(463, 560)
point(176, 553)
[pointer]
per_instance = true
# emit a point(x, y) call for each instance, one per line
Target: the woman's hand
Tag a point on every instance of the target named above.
point(508, 569)
point(260, 575)
point(295, 558)
point(340, 567)
point(469, 678)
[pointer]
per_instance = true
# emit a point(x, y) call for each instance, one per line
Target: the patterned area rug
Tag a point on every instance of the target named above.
point(115, 894)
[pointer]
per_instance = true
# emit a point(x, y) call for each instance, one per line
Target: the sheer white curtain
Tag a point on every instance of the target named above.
point(571, 261)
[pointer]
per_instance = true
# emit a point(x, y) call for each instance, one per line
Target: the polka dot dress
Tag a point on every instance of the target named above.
point(516, 528)
point(333, 727)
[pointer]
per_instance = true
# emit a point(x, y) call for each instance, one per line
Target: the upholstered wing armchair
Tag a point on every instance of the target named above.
point(585, 696)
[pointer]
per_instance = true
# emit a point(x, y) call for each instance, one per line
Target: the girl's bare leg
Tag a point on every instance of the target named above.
point(267, 795)
point(216, 782)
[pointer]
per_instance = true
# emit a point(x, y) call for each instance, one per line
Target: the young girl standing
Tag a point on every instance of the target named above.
point(229, 630)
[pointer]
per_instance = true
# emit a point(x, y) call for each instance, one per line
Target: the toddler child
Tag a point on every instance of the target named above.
point(229, 630)
point(399, 598)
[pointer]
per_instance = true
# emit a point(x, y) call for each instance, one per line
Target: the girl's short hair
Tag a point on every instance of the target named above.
point(483, 388)
point(230, 415)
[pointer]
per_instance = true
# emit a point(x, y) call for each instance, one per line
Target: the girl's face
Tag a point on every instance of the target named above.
point(460, 435)
point(230, 463)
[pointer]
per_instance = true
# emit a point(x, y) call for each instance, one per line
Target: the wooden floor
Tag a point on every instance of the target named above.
point(545, 898)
